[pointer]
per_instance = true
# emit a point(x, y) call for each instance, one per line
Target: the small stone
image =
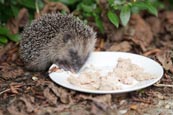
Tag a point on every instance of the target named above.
point(34, 78)
point(123, 111)
point(123, 102)
point(167, 106)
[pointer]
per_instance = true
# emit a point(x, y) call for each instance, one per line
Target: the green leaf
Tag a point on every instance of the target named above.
point(152, 9)
point(2, 1)
point(14, 37)
point(88, 2)
point(15, 10)
point(3, 40)
point(125, 15)
point(111, 2)
point(68, 2)
point(5, 13)
point(63, 12)
point(27, 3)
point(113, 18)
point(4, 31)
point(87, 14)
point(99, 23)
point(146, 6)
point(135, 10)
point(87, 8)
point(38, 5)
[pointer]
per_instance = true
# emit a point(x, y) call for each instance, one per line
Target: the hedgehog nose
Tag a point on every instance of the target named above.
point(76, 69)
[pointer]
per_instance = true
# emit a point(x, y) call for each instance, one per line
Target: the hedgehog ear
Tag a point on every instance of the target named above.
point(67, 36)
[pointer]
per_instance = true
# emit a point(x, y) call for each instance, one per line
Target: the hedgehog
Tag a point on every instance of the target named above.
point(64, 40)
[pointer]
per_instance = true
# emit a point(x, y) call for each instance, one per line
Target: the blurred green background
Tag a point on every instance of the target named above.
point(15, 14)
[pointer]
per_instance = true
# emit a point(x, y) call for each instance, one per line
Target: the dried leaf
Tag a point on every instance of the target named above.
point(60, 93)
point(13, 110)
point(46, 110)
point(9, 53)
point(1, 112)
point(23, 17)
point(143, 35)
point(14, 89)
point(152, 52)
point(159, 95)
point(11, 72)
point(122, 46)
point(95, 110)
point(143, 100)
point(134, 107)
point(64, 95)
point(51, 98)
point(169, 16)
point(165, 58)
point(155, 24)
point(54, 7)
point(13, 26)
point(28, 100)
point(102, 101)
point(107, 99)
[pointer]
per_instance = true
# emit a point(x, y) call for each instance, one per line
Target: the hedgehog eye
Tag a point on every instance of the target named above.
point(67, 37)
point(73, 53)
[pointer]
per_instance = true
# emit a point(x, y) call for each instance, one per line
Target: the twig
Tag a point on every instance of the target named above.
point(37, 15)
point(4, 91)
point(153, 51)
point(163, 85)
point(37, 8)
point(102, 43)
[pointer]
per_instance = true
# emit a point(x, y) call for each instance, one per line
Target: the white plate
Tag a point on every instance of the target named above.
point(109, 60)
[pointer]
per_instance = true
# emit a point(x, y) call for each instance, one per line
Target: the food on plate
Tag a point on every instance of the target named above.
point(54, 69)
point(124, 74)
point(125, 69)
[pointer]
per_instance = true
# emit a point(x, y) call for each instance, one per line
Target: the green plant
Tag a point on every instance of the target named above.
point(119, 12)
point(89, 8)
point(5, 36)
point(126, 7)
point(10, 9)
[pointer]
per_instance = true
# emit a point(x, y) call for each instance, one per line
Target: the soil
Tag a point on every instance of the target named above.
point(32, 93)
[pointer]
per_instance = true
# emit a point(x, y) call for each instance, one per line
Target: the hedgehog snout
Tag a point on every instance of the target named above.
point(76, 60)
point(73, 65)
point(77, 65)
